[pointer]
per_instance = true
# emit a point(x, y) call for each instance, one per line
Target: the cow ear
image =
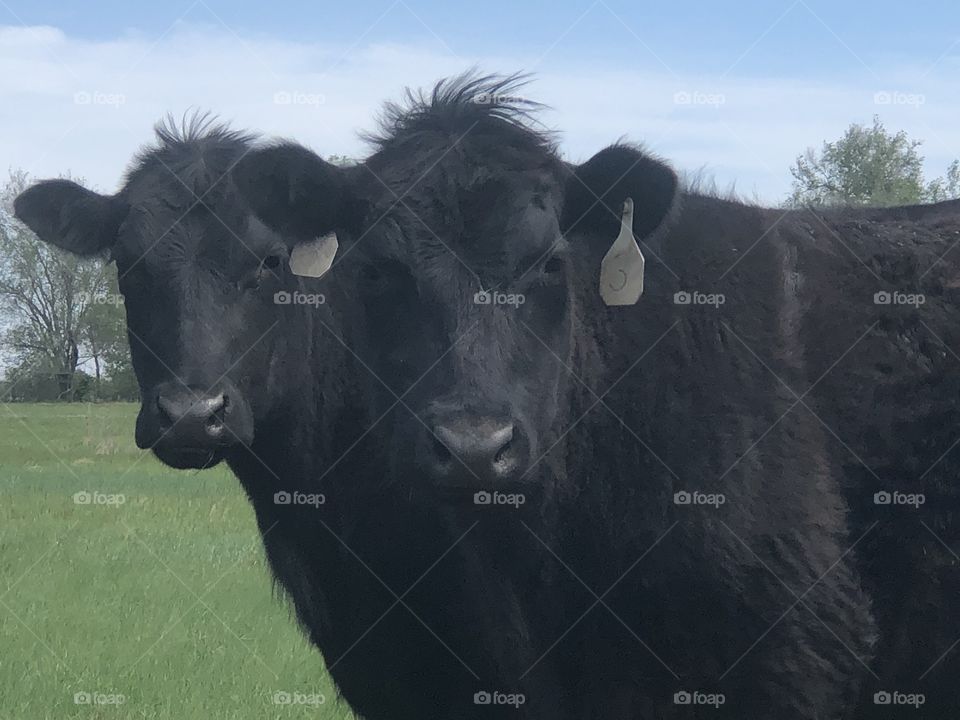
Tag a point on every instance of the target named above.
point(292, 190)
point(71, 217)
point(596, 191)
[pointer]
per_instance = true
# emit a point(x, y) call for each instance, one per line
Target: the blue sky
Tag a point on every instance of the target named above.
point(687, 36)
point(767, 79)
point(684, 34)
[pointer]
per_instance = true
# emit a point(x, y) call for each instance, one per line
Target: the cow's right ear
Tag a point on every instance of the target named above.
point(292, 190)
point(71, 217)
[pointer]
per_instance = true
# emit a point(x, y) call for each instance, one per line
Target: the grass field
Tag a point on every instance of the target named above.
point(155, 590)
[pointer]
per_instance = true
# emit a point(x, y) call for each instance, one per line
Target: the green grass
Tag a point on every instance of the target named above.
point(165, 599)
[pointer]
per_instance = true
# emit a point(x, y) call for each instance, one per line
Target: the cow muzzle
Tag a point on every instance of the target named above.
point(462, 449)
point(187, 427)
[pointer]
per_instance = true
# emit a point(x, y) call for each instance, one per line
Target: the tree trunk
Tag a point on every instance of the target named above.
point(65, 378)
point(96, 367)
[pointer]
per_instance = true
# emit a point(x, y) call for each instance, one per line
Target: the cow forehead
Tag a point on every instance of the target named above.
point(494, 227)
point(224, 233)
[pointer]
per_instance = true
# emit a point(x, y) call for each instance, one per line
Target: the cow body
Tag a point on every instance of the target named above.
point(737, 378)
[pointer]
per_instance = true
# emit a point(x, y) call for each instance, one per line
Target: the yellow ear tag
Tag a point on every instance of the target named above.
point(621, 272)
point(314, 258)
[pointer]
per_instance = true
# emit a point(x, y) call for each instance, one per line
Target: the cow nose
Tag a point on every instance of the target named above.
point(192, 420)
point(467, 449)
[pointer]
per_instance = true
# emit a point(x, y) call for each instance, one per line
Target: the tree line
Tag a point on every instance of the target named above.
point(62, 325)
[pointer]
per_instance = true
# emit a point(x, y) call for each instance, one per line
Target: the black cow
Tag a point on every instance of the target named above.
point(699, 535)
point(220, 362)
point(237, 359)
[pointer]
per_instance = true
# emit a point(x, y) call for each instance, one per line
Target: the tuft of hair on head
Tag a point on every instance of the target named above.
point(463, 103)
point(198, 149)
point(198, 126)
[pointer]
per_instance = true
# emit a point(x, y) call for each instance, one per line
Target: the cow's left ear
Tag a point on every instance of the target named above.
point(596, 190)
point(71, 217)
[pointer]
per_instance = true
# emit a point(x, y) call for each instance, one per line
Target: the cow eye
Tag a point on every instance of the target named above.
point(265, 271)
point(269, 267)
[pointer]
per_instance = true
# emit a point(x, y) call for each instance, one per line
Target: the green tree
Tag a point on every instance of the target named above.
point(57, 311)
point(341, 160)
point(947, 187)
point(868, 166)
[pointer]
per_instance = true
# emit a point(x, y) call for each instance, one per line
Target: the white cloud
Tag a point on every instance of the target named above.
point(84, 107)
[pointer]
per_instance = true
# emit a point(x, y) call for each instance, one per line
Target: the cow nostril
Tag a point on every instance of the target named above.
point(217, 417)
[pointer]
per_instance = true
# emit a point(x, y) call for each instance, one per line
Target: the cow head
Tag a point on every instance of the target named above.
point(213, 342)
point(474, 242)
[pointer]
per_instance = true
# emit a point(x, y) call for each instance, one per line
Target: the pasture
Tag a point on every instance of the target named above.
point(147, 597)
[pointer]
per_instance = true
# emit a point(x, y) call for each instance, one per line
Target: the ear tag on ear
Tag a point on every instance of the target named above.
point(314, 258)
point(621, 272)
